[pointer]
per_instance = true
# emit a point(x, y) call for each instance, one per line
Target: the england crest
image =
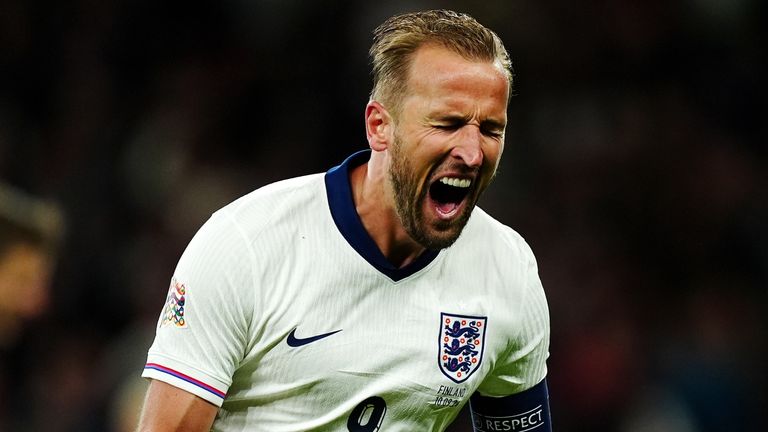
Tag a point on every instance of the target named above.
point(461, 344)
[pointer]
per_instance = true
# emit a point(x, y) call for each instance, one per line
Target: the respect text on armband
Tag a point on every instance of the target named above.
point(523, 422)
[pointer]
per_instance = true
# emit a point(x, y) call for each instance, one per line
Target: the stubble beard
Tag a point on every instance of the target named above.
point(409, 205)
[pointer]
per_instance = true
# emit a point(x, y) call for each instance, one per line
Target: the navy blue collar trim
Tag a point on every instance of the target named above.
point(342, 207)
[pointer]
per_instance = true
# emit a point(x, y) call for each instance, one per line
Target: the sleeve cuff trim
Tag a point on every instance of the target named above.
point(166, 370)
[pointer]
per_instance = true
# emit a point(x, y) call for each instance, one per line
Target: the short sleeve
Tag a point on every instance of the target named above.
point(202, 331)
point(523, 365)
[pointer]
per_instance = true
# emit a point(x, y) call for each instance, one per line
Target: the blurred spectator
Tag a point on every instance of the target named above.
point(30, 231)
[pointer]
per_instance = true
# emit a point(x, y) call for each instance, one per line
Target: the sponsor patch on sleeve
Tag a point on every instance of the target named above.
point(175, 306)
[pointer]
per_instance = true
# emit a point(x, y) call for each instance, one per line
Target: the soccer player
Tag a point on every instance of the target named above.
point(375, 296)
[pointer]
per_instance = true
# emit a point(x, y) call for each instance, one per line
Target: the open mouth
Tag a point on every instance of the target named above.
point(448, 193)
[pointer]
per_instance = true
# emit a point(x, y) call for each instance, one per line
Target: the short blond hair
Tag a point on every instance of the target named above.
point(396, 40)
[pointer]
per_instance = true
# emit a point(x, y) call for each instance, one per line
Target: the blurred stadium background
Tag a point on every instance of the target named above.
point(635, 166)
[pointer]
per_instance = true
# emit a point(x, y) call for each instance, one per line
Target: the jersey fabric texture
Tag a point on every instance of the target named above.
point(283, 312)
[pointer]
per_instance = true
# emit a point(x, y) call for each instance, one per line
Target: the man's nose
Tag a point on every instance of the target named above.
point(470, 146)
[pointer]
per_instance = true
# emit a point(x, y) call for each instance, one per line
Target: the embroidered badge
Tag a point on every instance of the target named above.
point(462, 339)
point(173, 312)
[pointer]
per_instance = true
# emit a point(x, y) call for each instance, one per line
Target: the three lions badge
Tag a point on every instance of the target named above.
point(462, 340)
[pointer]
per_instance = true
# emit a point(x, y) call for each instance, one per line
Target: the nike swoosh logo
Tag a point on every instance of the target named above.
point(297, 342)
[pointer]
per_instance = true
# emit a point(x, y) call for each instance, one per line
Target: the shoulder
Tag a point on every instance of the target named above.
point(277, 198)
point(498, 260)
point(261, 217)
point(484, 231)
point(277, 203)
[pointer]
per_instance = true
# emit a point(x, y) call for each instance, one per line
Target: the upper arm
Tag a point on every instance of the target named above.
point(514, 396)
point(203, 331)
point(523, 364)
point(168, 408)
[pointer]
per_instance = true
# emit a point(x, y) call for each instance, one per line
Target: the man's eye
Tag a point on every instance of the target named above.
point(493, 133)
point(448, 127)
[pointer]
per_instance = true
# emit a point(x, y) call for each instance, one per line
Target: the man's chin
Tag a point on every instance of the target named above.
point(441, 236)
point(438, 243)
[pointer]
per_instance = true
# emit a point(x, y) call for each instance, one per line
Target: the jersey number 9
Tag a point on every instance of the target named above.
point(367, 415)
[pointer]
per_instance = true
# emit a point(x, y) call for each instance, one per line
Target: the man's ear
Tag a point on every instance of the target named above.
point(378, 126)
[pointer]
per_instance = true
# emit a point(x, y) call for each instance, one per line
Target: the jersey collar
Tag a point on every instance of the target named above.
point(348, 222)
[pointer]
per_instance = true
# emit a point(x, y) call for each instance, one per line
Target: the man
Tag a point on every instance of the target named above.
point(30, 231)
point(375, 296)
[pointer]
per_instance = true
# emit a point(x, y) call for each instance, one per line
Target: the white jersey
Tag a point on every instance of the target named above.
point(283, 312)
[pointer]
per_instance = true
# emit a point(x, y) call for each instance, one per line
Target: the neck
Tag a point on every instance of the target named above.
point(377, 212)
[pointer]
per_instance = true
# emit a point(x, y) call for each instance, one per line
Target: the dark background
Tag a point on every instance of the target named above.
point(635, 166)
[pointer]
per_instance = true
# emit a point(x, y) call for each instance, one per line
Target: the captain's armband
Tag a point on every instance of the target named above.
point(522, 412)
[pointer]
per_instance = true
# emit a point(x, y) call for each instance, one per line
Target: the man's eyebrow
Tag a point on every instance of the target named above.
point(458, 118)
point(452, 118)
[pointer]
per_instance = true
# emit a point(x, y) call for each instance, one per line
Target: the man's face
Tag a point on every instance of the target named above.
point(448, 139)
point(25, 271)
